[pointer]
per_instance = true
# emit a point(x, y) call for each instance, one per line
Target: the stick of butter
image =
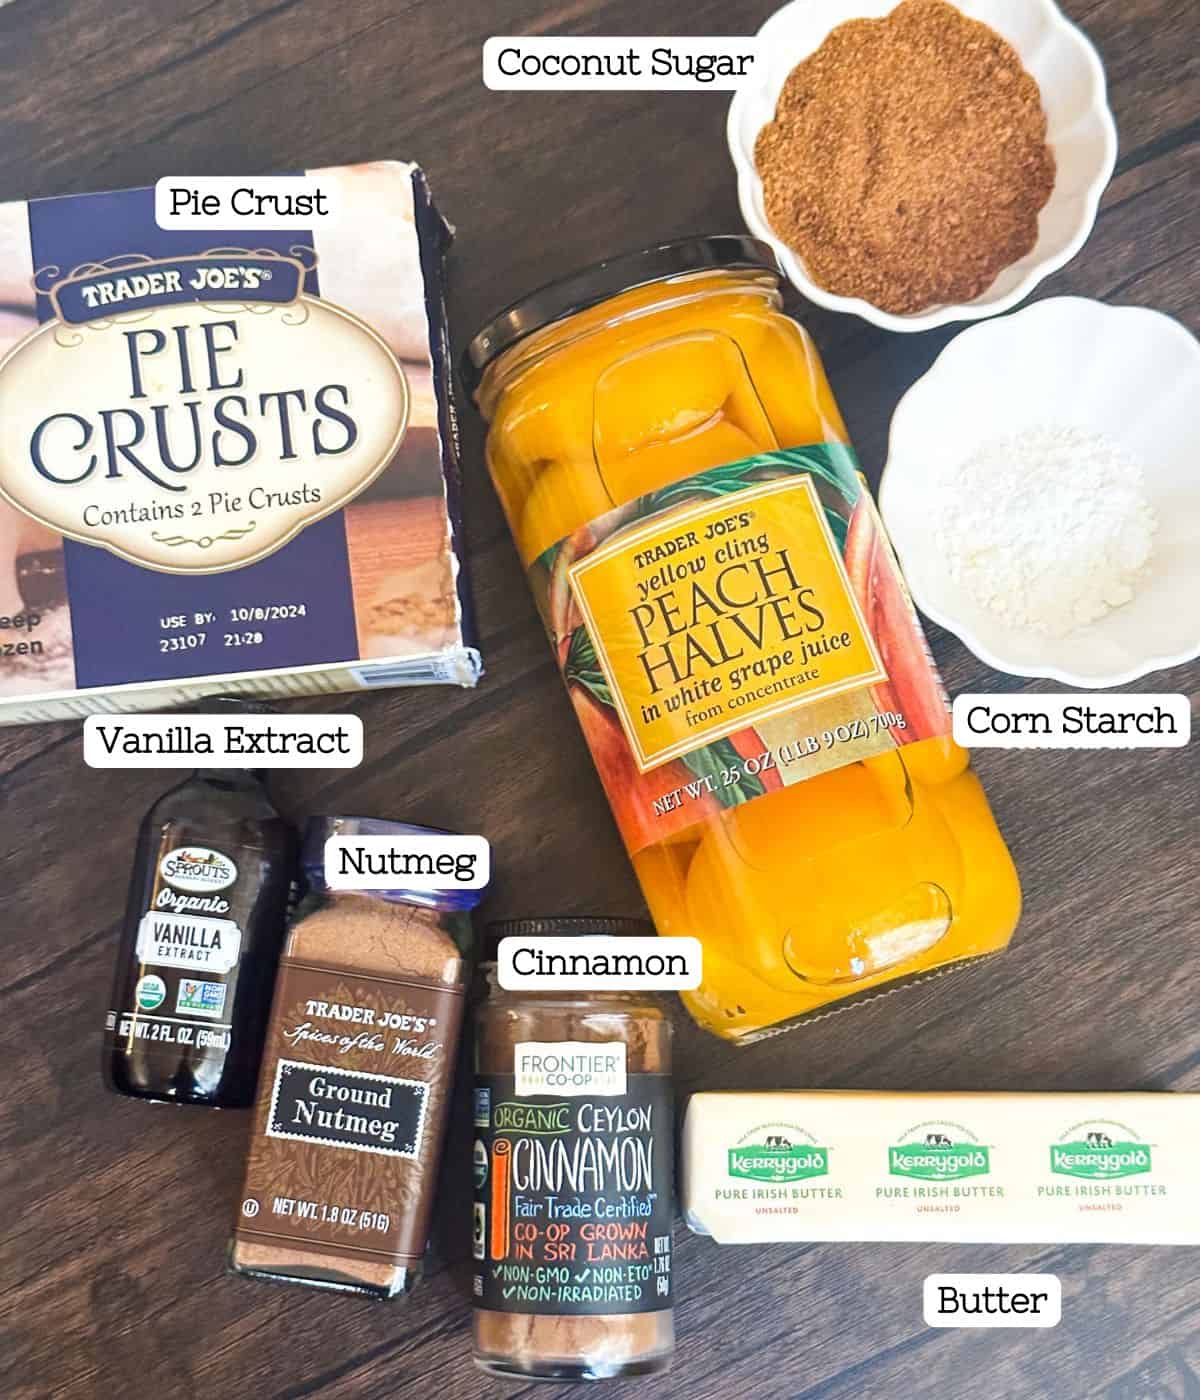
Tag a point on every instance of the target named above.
point(975, 1168)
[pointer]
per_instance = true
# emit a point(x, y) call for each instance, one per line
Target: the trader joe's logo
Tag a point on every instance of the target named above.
point(778, 1152)
point(1100, 1151)
point(939, 1152)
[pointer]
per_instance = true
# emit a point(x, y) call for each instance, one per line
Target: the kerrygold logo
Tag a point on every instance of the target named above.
point(939, 1152)
point(1094, 1153)
point(768, 1154)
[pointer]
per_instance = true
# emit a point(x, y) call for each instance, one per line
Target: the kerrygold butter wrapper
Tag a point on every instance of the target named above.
point(228, 459)
point(954, 1168)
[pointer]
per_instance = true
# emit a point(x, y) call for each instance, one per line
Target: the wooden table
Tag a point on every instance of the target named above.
point(114, 1215)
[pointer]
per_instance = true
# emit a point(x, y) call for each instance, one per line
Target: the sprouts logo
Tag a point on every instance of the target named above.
point(197, 868)
point(1099, 1151)
point(939, 1152)
point(778, 1152)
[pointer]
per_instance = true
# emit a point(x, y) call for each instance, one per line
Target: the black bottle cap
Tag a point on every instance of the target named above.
point(568, 926)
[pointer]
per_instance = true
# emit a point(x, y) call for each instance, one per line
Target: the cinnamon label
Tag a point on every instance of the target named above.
point(352, 1100)
point(574, 1189)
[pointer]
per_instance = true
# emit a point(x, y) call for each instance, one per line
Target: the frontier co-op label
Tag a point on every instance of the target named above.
point(193, 414)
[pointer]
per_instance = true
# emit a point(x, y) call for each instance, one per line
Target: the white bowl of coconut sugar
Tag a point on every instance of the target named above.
point(1042, 490)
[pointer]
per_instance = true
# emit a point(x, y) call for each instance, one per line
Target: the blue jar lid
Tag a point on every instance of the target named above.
point(320, 829)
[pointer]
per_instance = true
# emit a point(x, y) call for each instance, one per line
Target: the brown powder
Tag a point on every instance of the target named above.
point(907, 162)
point(353, 934)
point(533, 1342)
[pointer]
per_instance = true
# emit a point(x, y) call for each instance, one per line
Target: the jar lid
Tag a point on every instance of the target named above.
point(568, 926)
point(591, 285)
point(319, 829)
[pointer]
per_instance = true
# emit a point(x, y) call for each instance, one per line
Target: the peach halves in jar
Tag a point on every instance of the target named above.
point(735, 635)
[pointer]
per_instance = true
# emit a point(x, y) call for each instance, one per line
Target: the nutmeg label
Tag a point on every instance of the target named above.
point(735, 632)
point(352, 1096)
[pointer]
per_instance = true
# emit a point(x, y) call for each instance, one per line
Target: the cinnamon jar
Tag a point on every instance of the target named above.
point(574, 1175)
point(356, 1079)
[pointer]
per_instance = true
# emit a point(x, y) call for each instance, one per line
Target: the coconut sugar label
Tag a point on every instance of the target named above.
point(736, 632)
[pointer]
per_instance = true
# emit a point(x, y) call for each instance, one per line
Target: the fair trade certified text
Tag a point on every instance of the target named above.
point(222, 741)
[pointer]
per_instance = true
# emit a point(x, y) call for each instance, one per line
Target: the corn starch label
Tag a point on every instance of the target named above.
point(736, 632)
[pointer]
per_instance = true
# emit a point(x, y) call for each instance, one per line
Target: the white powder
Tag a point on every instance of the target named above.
point(1049, 529)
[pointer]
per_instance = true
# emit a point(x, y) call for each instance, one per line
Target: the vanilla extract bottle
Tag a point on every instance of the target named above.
point(204, 924)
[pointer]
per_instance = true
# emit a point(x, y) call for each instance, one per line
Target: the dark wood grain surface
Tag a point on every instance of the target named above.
point(114, 1214)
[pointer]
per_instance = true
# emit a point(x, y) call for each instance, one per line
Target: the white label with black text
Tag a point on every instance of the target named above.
point(420, 860)
point(633, 63)
point(188, 941)
point(600, 964)
point(992, 1300)
point(570, 1068)
point(1072, 721)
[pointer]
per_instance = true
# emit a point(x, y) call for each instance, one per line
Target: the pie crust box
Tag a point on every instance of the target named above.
point(228, 459)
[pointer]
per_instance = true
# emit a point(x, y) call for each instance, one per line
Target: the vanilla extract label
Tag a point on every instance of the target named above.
point(189, 941)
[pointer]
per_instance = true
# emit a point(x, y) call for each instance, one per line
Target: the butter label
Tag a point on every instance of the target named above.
point(778, 1152)
point(939, 1152)
point(1100, 1151)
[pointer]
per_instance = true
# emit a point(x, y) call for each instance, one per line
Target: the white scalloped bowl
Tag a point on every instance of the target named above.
point(1127, 373)
point(1081, 132)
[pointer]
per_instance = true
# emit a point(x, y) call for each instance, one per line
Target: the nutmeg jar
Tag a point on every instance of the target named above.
point(735, 635)
point(574, 1175)
point(355, 1086)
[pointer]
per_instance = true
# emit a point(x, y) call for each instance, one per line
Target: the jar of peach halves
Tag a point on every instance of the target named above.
point(735, 635)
